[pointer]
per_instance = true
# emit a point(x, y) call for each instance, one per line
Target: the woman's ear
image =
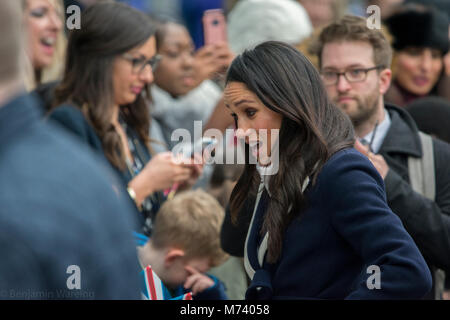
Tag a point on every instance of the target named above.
point(173, 255)
point(385, 80)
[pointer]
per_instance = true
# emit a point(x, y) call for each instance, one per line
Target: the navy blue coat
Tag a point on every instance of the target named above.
point(346, 228)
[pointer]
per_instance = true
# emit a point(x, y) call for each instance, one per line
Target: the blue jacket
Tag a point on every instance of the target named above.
point(58, 208)
point(72, 119)
point(347, 228)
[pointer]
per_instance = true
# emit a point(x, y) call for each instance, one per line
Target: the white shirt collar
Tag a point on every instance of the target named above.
point(380, 134)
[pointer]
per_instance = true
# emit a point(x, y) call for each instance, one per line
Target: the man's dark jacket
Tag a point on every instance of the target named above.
point(427, 221)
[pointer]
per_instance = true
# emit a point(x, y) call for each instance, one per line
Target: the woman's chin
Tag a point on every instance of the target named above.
point(264, 161)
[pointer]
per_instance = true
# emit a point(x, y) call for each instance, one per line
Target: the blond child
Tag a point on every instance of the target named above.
point(184, 245)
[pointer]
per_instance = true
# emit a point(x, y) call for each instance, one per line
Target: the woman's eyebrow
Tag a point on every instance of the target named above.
point(138, 55)
point(243, 101)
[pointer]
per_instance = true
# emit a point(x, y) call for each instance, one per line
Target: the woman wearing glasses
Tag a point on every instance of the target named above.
point(104, 92)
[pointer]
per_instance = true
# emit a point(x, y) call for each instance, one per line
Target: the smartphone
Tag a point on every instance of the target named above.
point(214, 26)
point(202, 144)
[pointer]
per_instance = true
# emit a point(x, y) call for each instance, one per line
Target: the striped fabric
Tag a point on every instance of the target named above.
point(154, 289)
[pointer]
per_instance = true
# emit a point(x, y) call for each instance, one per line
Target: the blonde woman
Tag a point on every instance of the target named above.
point(44, 20)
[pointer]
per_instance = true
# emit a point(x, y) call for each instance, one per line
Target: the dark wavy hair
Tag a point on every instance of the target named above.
point(108, 29)
point(312, 130)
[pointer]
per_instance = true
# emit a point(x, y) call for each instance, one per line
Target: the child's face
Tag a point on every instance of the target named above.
point(177, 273)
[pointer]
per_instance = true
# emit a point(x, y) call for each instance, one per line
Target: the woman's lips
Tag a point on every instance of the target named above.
point(48, 45)
point(188, 81)
point(421, 81)
point(136, 90)
point(48, 50)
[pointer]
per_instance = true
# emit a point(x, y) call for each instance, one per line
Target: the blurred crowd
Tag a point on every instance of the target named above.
point(88, 156)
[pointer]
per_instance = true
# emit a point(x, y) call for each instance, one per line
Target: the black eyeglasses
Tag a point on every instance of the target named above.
point(139, 64)
point(351, 75)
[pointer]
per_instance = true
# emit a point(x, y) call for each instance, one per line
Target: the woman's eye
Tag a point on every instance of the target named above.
point(39, 12)
point(436, 54)
point(172, 54)
point(137, 62)
point(250, 113)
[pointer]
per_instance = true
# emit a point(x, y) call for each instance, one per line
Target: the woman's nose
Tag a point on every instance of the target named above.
point(188, 60)
point(146, 74)
point(55, 22)
point(426, 61)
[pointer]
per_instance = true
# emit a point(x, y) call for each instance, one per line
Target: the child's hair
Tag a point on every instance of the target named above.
point(191, 221)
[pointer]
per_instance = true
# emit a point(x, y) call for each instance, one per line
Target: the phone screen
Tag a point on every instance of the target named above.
point(214, 26)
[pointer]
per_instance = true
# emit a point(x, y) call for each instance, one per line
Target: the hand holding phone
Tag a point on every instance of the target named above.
point(202, 144)
point(214, 27)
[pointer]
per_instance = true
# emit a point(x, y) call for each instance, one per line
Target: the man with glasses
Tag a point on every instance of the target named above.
point(354, 63)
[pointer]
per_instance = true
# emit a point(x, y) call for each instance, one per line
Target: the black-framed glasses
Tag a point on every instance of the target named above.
point(351, 75)
point(139, 64)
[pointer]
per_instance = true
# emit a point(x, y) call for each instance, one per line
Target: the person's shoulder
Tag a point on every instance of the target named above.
point(345, 170)
point(343, 160)
point(70, 118)
point(66, 114)
point(57, 173)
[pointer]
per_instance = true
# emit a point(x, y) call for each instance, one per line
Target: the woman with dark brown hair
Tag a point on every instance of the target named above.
point(109, 67)
point(321, 227)
point(421, 41)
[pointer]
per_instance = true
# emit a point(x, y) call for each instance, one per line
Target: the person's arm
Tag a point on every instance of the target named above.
point(215, 292)
point(356, 197)
point(427, 221)
point(212, 61)
point(203, 286)
point(162, 172)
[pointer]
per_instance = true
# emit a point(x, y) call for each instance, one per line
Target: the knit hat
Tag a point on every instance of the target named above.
point(441, 5)
point(252, 22)
point(419, 27)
